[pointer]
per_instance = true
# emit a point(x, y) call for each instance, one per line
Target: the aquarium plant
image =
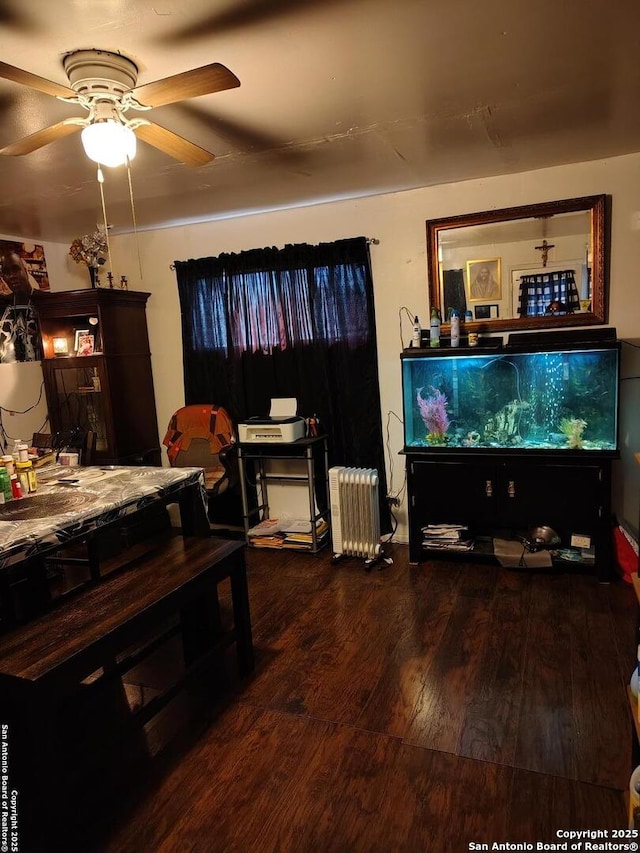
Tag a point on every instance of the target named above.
point(573, 429)
point(433, 411)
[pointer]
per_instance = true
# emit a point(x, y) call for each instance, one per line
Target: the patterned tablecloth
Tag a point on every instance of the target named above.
point(57, 513)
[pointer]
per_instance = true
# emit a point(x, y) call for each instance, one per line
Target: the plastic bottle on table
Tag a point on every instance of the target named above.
point(5, 484)
point(20, 451)
point(16, 488)
point(9, 463)
point(27, 476)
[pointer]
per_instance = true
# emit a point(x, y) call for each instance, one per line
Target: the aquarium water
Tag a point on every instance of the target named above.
point(556, 400)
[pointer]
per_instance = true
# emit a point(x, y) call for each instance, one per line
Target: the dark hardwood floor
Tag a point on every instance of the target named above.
point(408, 709)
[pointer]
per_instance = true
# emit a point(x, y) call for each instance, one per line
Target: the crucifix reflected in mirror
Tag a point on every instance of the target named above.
point(545, 246)
point(544, 249)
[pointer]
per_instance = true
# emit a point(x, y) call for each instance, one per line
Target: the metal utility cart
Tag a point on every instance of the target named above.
point(252, 460)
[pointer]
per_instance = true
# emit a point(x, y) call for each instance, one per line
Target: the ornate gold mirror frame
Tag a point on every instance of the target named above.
point(477, 263)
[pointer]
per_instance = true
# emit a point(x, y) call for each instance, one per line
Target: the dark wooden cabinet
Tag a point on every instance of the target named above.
point(110, 390)
point(511, 493)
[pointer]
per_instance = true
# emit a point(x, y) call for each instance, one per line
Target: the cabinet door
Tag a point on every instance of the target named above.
point(77, 399)
point(454, 492)
point(565, 497)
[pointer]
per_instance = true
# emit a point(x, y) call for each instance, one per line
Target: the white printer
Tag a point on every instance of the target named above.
point(282, 424)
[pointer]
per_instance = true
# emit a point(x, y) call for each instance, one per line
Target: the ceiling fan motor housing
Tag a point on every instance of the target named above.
point(105, 84)
point(100, 72)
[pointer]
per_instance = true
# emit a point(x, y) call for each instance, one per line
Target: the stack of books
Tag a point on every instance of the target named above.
point(287, 533)
point(304, 540)
point(266, 534)
point(447, 537)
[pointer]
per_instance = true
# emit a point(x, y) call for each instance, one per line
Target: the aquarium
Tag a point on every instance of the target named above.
point(555, 398)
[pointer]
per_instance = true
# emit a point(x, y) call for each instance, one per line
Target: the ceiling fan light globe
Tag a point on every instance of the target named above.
point(109, 143)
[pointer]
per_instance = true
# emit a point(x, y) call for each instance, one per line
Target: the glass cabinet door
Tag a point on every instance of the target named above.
point(78, 393)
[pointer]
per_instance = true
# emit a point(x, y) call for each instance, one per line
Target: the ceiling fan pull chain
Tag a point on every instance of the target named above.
point(133, 217)
point(100, 177)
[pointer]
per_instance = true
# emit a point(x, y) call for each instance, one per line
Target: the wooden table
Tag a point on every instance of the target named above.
point(57, 515)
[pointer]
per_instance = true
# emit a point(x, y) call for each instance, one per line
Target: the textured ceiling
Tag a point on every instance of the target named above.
point(338, 98)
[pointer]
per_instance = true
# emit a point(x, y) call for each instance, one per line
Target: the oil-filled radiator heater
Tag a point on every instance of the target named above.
point(355, 512)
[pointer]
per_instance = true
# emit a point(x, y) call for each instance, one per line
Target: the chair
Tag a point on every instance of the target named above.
point(69, 569)
point(82, 441)
point(203, 436)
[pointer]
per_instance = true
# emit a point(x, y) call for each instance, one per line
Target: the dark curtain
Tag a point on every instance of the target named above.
point(539, 291)
point(293, 322)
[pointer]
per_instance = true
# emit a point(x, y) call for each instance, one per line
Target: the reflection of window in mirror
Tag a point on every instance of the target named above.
point(534, 290)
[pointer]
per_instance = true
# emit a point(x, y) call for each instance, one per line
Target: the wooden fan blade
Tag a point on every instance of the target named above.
point(39, 139)
point(17, 75)
point(244, 14)
point(189, 84)
point(12, 17)
point(175, 146)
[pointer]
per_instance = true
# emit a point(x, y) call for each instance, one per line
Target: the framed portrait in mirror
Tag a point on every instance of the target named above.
point(484, 281)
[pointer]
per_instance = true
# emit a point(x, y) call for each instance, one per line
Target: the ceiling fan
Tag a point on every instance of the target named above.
point(104, 84)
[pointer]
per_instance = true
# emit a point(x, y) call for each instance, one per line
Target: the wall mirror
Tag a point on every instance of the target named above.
point(531, 267)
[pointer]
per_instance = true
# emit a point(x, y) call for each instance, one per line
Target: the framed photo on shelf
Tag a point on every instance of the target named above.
point(484, 280)
point(85, 345)
point(76, 342)
point(487, 312)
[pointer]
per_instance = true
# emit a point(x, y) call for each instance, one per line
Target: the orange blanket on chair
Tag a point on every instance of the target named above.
point(205, 421)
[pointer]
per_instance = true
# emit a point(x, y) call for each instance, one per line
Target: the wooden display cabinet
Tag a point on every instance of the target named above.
point(108, 390)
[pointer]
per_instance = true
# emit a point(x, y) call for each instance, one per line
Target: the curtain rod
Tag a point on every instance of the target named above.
point(370, 241)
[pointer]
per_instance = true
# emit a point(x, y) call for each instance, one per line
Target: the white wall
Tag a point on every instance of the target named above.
point(22, 399)
point(399, 267)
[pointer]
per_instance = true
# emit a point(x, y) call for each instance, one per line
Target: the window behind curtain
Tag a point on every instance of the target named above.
point(293, 322)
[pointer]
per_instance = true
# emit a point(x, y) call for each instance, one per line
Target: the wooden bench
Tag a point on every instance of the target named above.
point(56, 651)
point(51, 663)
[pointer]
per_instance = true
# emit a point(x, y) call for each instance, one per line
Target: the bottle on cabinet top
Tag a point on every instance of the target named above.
point(434, 328)
point(416, 334)
point(455, 328)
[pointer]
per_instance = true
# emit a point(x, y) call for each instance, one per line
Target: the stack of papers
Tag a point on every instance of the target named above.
point(287, 533)
point(447, 537)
